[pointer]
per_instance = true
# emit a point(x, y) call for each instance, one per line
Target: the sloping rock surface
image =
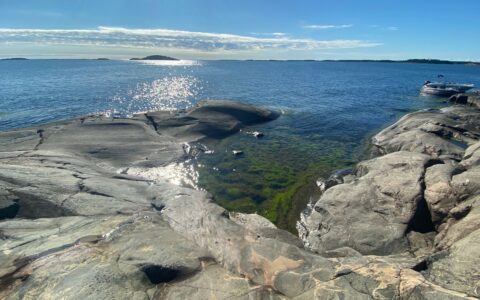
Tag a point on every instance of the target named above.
point(88, 212)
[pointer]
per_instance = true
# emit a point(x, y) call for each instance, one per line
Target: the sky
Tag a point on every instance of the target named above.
point(241, 29)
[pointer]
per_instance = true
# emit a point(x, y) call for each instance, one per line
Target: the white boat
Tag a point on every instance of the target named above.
point(461, 87)
point(445, 89)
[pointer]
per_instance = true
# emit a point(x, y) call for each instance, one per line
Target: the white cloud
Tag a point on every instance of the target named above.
point(274, 34)
point(204, 42)
point(392, 28)
point(322, 27)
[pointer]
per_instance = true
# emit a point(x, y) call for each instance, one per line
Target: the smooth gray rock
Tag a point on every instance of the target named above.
point(99, 218)
point(474, 100)
point(439, 193)
point(459, 240)
point(372, 213)
point(210, 118)
point(443, 133)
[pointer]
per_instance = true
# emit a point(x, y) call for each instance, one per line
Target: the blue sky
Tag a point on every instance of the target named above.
point(243, 29)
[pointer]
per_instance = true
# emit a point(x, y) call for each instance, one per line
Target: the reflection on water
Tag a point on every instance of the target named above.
point(172, 63)
point(168, 93)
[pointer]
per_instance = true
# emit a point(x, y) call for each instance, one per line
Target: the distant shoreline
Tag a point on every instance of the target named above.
point(408, 61)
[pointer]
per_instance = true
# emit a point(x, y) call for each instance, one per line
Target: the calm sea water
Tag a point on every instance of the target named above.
point(329, 109)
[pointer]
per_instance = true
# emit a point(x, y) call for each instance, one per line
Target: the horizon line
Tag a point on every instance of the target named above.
point(418, 60)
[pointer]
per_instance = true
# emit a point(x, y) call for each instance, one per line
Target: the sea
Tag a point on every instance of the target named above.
point(329, 112)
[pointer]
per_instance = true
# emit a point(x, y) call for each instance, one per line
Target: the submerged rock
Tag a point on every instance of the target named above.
point(237, 152)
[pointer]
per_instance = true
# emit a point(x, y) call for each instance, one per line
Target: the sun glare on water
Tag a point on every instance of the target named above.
point(173, 63)
point(167, 93)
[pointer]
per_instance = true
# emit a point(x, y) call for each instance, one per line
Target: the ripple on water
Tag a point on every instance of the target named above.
point(170, 63)
point(168, 93)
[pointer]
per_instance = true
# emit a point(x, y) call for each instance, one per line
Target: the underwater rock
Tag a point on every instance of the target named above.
point(237, 152)
point(258, 134)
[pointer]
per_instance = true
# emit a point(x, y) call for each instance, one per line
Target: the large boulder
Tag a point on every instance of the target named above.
point(372, 213)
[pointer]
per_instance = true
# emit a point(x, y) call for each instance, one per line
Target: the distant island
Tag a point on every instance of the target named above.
point(412, 61)
point(155, 57)
point(15, 58)
point(102, 58)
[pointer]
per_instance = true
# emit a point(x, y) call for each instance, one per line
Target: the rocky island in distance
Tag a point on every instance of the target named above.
point(86, 213)
point(154, 57)
point(14, 58)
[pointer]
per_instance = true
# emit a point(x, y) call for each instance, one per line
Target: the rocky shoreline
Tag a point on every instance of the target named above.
point(88, 213)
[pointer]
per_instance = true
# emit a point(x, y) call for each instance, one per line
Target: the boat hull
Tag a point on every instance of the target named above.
point(443, 92)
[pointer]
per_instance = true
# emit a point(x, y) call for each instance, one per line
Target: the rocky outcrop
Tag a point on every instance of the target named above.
point(442, 134)
point(472, 99)
point(419, 197)
point(214, 119)
point(372, 213)
point(98, 217)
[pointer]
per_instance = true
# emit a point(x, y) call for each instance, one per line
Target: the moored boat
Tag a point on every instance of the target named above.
point(445, 89)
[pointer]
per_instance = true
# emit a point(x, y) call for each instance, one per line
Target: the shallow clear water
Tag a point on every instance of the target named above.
point(329, 108)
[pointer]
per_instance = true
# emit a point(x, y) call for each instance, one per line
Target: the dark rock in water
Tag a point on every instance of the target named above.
point(258, 134)
point(211, 118)
point(15, 58)
point(155, 57)
point(458, 98)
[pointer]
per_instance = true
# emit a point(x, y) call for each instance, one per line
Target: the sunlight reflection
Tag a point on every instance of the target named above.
point(172, 63)
point(168, 93)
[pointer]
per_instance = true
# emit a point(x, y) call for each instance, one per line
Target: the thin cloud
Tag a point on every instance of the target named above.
point(172, 39)
point(274, 34)
point(322, 27)
point(389, 28)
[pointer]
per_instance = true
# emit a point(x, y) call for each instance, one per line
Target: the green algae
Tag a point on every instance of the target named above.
point(275, 177)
